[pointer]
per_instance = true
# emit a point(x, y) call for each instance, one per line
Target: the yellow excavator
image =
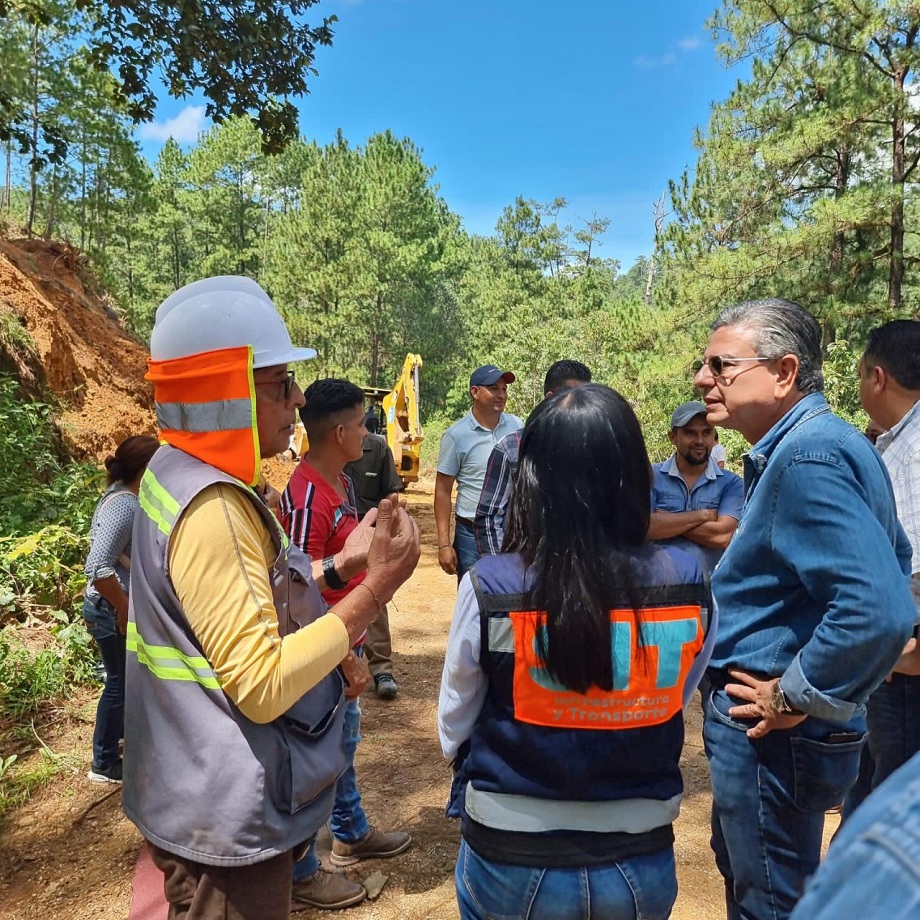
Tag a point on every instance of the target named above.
point(397, 413)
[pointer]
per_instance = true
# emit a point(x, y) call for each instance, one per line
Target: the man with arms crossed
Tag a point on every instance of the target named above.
point(232, 680)
point(813, 601)
point(695, 503)
point(462, 458)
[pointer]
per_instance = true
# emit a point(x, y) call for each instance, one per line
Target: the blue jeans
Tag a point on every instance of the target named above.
point(641, 888)
point(873, 867)
point(110, 711)
point(465, 547)
point(893, 717)
point(348, 822)
point(768, 802)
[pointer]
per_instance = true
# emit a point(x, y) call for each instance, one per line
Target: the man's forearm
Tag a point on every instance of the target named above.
point(442, 505)
point(663, 525)
point(713, 534)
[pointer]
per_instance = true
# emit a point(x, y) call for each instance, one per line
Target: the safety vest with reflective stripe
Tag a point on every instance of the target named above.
point(535, 738)
point(202, 780)
point(206, 406)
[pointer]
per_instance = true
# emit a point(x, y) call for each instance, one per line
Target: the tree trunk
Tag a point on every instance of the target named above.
point(8, 182)
point(375, 344)
point(33, 163)
point(898, 167)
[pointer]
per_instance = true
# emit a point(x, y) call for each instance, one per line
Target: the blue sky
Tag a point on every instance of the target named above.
point(595, 101)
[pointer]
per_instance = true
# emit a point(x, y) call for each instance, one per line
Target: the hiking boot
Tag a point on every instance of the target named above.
point(326, 890)
point(373, 845)
point(109, 774)
point(386, 686)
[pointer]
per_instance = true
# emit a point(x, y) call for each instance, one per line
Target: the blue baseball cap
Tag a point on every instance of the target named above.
point(488, 374)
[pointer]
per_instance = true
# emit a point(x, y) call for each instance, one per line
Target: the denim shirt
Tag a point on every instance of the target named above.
point(813, 586)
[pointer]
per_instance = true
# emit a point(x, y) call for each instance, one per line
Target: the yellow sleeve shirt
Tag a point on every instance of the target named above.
point(219, 558)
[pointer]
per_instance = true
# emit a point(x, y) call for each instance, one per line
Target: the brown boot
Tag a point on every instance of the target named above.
point(326, 890)
point(373, 845)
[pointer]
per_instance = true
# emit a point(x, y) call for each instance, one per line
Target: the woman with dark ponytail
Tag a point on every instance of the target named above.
point(105, 607)
point(570, 658)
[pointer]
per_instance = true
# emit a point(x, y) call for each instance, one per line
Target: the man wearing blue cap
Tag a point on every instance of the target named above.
point(695, 504)
point(462, 458)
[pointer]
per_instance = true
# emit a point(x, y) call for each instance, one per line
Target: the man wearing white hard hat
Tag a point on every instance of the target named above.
point(234, 698)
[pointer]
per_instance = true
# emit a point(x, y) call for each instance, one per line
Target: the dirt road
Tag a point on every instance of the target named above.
point(70, 853)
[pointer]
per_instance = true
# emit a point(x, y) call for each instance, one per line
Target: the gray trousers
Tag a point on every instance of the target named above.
point(378, 645)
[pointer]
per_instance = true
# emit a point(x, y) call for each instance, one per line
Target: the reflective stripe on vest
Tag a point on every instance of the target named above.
point(157, 503)
point(220, 415)
point(169, 663)
point(649, 670)
point(528, 815)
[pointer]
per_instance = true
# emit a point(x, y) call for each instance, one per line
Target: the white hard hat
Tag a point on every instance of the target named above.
point(223, 312)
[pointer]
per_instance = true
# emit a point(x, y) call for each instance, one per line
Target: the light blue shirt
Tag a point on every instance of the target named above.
point(464, 454)
point(716, 488)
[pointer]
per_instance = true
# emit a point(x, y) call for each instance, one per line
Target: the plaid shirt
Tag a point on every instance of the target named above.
point(489, 522)
point(900, 449)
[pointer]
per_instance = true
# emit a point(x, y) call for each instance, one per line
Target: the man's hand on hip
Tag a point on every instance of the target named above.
point(757, 695)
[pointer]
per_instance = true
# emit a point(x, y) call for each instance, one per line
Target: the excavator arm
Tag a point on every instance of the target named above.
point(400, 407)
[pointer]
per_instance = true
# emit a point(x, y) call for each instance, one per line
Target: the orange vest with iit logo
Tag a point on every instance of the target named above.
point(537, 738)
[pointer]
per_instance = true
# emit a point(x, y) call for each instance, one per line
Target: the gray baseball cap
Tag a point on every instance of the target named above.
point(686, 411)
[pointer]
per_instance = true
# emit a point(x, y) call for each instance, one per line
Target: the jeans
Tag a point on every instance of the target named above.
point(768, 802)
point(641, 888)
point(348, 822)
point(873, 867)
point(110, 711)
point(465, 547)
point(893, 717)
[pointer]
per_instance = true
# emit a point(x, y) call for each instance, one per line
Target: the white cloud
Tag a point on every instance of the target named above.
point(690, 44)
point(183, 128)
point(651, 63)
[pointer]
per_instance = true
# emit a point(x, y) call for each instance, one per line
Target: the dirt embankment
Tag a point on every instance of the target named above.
point(79, 352)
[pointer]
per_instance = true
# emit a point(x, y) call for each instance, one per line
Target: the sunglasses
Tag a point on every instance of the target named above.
point(287, 384)
point(718, 364)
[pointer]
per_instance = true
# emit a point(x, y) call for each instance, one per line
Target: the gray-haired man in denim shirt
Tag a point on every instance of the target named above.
point(814, 604)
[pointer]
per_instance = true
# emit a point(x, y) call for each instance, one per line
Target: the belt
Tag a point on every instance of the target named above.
point(465, 521)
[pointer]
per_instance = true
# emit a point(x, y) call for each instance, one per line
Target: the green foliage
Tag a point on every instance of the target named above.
point(246, 59)
point(841, 383)
point(805, 180)
point(30, 677)
point(21, 779)
point(41, 570)
point(36, 486)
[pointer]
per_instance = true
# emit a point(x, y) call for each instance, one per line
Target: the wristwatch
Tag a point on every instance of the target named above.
point(780, 703)
point(333, 579)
